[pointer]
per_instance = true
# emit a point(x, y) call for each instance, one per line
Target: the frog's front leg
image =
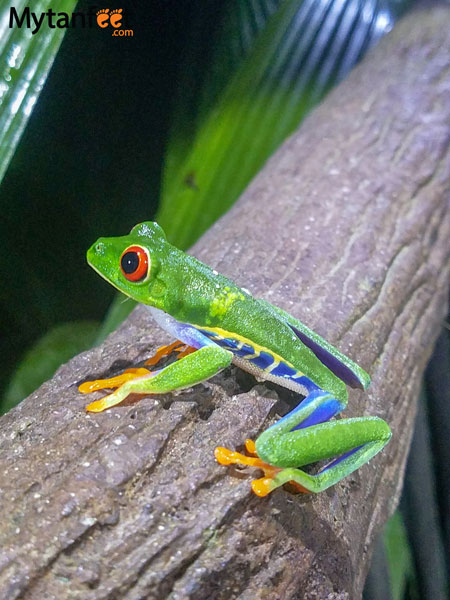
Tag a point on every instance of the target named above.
point(305, 436)
point(190, 370)
point(114, 382)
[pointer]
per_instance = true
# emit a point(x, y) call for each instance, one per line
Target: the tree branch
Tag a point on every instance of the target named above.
point(347, 228)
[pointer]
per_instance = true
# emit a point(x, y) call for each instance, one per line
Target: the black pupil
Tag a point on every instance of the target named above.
point(130, 262)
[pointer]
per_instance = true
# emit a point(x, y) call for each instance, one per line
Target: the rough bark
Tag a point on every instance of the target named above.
point(347, 227)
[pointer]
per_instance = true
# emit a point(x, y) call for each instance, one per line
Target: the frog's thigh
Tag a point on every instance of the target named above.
point(188, 371)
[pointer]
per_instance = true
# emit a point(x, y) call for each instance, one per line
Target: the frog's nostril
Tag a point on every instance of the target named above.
point(100, 248)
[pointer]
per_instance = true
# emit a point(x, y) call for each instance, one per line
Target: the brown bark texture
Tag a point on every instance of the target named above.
point(346, 227)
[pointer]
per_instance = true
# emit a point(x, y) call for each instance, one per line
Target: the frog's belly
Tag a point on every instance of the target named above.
point(259, 361)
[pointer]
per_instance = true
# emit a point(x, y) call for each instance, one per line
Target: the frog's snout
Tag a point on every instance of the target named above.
point(97, 254)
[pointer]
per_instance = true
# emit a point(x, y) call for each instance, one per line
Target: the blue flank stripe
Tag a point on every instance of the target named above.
point(234, 346)
point(227, 343)
point(210, 334)
point(284, 370)
point(305, 382)
point(263, 361)
point(245, 350)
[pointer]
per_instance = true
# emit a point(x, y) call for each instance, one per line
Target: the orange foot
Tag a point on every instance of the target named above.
point(262, 486)
point(179, 347)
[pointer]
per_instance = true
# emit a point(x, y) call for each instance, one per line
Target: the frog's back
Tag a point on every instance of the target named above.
point(260, 336)
point(264, 344)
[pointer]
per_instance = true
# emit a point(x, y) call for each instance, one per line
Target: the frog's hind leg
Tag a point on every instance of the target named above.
point(367, 435)
point(318, 406)
point(306, 435)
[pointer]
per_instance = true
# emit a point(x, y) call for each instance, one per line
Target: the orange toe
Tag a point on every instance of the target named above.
point(184, 351)
point(162, 352)
point(100, 384)
point(224, 456)
point(228, 457)
point(262, 486)
point(97, 406)
point(250, 446)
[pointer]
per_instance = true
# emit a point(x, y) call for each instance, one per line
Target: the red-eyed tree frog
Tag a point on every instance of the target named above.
point(218, 323)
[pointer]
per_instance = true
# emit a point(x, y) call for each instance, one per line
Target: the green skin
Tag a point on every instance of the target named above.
point(192, 293)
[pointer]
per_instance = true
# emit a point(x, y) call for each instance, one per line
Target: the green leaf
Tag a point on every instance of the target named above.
point(211, 56)
point(288, 58)
point(400, 561)
point(25, 60)
point(39, 364)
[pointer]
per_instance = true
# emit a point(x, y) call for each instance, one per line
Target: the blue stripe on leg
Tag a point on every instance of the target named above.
point(327, 409)
point(336, 461)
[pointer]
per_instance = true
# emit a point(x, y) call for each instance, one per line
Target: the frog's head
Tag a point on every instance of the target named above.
point(131, 262)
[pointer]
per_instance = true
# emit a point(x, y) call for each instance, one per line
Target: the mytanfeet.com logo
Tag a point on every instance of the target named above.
point(104, 18)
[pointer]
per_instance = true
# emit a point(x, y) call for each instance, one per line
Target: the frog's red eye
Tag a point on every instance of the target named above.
point(134, 263)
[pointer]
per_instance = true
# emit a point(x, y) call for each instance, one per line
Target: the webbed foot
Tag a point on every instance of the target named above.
point(180, 347)
point(262, 486)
